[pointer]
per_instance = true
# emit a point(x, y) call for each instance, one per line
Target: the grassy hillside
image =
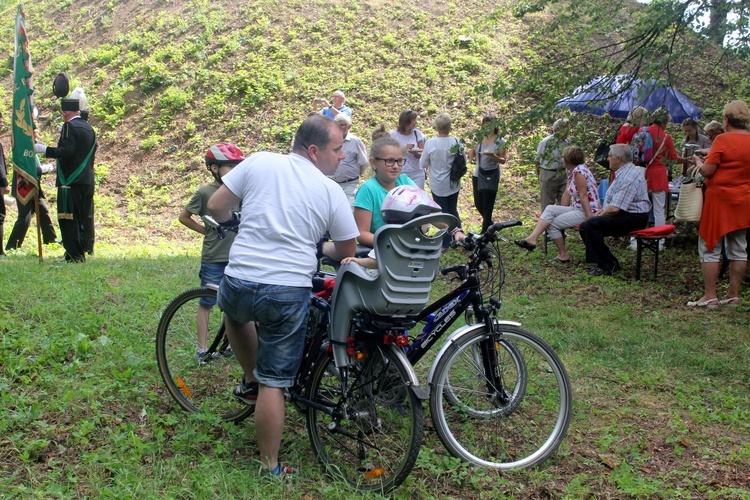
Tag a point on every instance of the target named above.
point(166, 79)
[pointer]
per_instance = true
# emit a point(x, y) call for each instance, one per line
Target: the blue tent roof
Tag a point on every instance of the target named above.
point(617, 95)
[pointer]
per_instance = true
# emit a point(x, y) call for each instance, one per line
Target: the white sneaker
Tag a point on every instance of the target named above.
point(662, 244)
point(633, 244)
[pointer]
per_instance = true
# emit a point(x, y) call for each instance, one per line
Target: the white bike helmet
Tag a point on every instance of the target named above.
point(404, 203)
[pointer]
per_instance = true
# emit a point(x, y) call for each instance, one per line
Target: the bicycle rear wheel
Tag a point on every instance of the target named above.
point(198, 383)
point(477, 427)
point(375, 445)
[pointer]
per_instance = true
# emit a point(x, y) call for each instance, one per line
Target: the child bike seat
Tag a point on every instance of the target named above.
point(408, 262)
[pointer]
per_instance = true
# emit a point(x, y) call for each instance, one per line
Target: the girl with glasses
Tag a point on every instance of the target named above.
point(387, 157)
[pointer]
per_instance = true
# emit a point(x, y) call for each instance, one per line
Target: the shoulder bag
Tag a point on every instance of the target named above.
point(690, 201)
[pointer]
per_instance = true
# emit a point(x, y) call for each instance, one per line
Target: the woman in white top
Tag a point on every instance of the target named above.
point(437, 159)
point(412, 140)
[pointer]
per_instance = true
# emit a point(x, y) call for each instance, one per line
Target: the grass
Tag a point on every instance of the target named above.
point(661, 393)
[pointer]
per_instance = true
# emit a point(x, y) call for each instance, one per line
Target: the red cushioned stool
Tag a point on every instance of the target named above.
point(649, 239)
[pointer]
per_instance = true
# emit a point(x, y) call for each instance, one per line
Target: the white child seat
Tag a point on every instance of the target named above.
point(408, 263)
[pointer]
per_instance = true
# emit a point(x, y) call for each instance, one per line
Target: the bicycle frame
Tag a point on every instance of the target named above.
point(447, 310)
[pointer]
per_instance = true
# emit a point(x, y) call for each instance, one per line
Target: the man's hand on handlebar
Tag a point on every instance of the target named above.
point(222, 227)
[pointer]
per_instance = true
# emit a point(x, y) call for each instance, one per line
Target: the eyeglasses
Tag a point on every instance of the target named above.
point(389, 162)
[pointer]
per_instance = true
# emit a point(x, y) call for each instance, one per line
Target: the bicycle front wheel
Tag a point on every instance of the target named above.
point(514, 417)
point(371, 437)
point(507, 395)
point(198, 382)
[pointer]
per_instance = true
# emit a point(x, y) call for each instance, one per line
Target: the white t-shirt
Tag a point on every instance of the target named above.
point(437, 159)
point(412, 162)
point(287, 206)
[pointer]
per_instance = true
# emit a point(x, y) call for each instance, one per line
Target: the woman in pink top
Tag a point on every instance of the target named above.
point(579, 201)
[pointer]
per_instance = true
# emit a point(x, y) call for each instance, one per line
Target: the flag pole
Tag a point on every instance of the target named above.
point(38, 226)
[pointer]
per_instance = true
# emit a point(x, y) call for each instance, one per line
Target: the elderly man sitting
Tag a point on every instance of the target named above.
point(625, 209)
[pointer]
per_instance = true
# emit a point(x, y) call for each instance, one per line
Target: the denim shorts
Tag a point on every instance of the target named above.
point(280, 313)
point(211, 273)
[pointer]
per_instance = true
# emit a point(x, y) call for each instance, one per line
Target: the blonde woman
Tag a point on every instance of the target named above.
point(726, 210)
point(636, 120)
point(436, 160)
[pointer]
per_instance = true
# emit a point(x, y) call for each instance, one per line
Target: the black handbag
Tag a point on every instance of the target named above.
point(488, 180)
point(601, 155)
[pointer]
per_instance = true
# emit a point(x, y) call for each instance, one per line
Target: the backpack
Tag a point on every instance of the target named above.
point(601, 155)
point(458, 165)
point(642, 146)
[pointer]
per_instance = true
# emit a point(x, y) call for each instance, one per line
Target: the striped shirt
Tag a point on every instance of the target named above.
point(628, 191)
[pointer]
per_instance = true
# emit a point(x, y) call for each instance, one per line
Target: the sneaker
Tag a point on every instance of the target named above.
point(246, 392)
point(226, 353)
point(281, 471)
point(633, 244)
point(201, 355)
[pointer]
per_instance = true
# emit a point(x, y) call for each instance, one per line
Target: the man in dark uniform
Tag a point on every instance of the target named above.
point(75, 180)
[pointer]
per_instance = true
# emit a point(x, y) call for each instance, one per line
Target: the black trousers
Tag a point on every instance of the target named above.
point(594, 229)
point(2, 220)
point(484, 201)
point(74, 231)
point(88, 228)
point(21, 227)
point(449, 205)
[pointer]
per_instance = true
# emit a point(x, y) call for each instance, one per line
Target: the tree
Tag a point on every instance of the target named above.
point(668, 40)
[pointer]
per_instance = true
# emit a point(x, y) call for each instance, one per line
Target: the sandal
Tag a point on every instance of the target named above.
point(558, 261)
point(730, 301)
point(525, 245)
point(708, 303)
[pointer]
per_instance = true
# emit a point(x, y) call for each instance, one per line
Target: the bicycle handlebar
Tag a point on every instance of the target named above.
point(471, 240)
point(499, 226)
point(477, 243)
point(451, 269)
point(233, 224)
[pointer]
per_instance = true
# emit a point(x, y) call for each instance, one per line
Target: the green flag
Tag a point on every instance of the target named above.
point(25, 160)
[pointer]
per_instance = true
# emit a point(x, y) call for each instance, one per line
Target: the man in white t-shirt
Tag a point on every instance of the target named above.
point(288, 204)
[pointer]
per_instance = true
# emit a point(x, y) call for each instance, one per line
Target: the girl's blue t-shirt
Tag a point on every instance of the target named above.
point(370, 196)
